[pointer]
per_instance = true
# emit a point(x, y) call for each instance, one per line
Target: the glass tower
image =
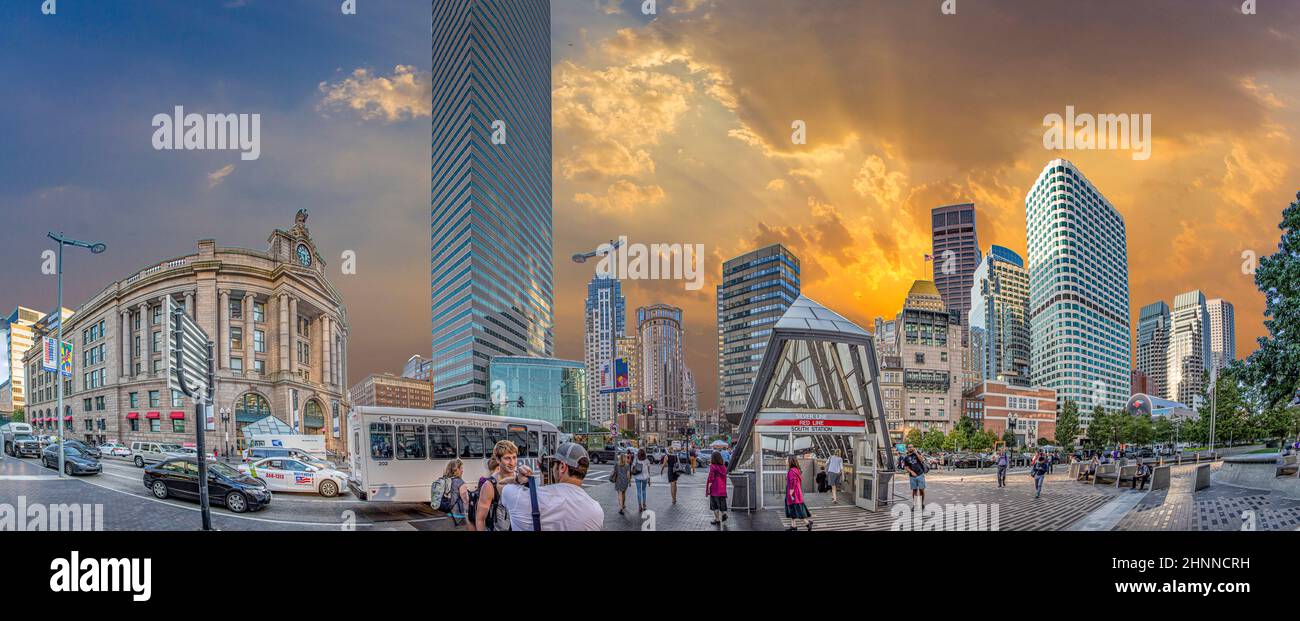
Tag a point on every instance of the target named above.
point(1078, 291)
point(999, 317)
point(757, 288)
point(604, 323)
point(1153, 345)
point(956, 254)
point(551, 390)
point(490, 270)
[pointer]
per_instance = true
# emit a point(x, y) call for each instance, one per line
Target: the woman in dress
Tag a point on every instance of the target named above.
point(794, 507)
point(622, 476)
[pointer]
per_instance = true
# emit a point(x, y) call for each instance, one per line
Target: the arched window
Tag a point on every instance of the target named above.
point(250, 408)
point(313, 418)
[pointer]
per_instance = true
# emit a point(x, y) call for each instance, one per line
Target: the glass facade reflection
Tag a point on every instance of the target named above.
point(552, 390)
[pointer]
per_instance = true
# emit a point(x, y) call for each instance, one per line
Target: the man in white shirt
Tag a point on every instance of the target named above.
point(563, 505)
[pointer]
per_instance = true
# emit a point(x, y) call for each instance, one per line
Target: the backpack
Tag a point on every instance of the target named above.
point(493, 510)
point(442, 494)
point(636, 468)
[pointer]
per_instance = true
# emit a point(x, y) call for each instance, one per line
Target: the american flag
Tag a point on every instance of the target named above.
point(929, 257)
point(302, 479)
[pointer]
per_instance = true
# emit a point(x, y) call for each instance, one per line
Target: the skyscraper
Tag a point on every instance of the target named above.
point(956, 253)
point(757, 288)
point(604, 322)
point(15, 340)
point(663, 369)
point(490, 272)
point(1153, 345)
point(999, 318)
point(1078, 291)
point(1223, 339)
point(1189, 349)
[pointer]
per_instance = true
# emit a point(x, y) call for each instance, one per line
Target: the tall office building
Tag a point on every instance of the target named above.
point(757, 288)
point(15, 339)
point(999, 318)
point(1223, 339)
point(604, 319)
point(1189, 349)
point(1078, 291)
point(490, 271)
point(663, 370)
point(956, 253)
point(1153, 346)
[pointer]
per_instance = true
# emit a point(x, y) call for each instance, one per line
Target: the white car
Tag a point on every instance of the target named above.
point(114, 449)
point(282, 474)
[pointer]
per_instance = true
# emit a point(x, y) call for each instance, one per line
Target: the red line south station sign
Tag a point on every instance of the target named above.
point(813, 424)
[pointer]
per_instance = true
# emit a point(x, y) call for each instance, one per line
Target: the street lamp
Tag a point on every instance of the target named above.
point(94, 248)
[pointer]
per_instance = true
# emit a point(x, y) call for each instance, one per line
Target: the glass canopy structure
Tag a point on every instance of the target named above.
point(817, 391)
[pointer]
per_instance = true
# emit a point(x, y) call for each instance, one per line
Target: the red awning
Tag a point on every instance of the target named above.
point(153, 415)
point(133, 415)
point(178, 415)
point(67, 418)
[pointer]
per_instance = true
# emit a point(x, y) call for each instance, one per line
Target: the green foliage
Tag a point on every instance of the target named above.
point(958, 440)
point(1274, 368)
point(915, 437)
point(19, 416)
point(1009, 438)
point(932, 440)
point(1067, 424)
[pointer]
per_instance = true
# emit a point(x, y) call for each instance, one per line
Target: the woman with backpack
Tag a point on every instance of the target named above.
point(641, 474)
point(453, 495)
point(485, 503)
point(716, 488)
point(794, 507)
point(622, 476)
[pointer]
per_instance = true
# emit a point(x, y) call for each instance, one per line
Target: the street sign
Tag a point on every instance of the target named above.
point(188, 346)
point(54, 358)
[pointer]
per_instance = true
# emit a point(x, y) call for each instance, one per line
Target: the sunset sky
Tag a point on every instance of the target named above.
point(672, 128)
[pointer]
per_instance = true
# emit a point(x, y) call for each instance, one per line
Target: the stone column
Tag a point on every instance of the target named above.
point(146, 336)
point(326, 373)
point(124, 342)
point(282, 306)
point(223, 326)
point(293, 336)
point(249, 354)
point(189, 304)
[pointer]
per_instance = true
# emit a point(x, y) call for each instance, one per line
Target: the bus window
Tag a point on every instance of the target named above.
point(410, 442)
point(381, 441)
point(471, 443)
point(442, 441)
point(534, 446)
point(521, 440)
point(550, 443)
point(493, 435)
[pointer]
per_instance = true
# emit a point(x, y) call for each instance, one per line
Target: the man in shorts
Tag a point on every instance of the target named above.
point(916, 468)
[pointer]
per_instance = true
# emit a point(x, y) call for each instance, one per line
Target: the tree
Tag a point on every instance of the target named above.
point(1009, 438)
point(1104, 430)
point(967, 426)
point(19, 416)
point(1067, 424)
point(982, 440)
point(932, 440)
point(957, 440)
point(1162, 430)
point(915, 437)
point(1274, 368)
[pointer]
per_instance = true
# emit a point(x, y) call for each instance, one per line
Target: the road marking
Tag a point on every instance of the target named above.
point(29, 477)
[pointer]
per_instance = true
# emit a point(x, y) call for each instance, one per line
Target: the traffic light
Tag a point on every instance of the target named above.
point(649, 409)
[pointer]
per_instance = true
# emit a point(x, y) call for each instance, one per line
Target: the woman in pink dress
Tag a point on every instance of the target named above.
point(794, 507)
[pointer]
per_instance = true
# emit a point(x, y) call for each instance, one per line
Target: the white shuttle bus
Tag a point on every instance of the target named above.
point(397, 453)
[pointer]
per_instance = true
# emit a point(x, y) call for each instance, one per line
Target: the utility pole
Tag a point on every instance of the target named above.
point(58, 343)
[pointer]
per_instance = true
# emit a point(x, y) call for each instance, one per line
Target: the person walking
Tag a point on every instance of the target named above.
point(694, 458)
point(641, 476)
point(834, 470)
point(1003, 461)
point(1039, 472)
point(795, 509)
point(455, 496)
point(916, 468)
point(622, 477)
point(716, 488)
point(671, 463)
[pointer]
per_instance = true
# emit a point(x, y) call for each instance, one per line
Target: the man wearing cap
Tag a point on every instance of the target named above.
point(563, 504)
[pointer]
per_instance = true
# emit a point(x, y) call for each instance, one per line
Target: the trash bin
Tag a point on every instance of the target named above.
point(743, 491)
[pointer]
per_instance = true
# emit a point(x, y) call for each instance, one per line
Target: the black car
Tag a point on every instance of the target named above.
point(231, 488)
point(90, 451)
point(75, 461)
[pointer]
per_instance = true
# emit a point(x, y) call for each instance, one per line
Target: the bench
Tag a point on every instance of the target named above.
point(1287, 466)
point(1160, 478)
point(1105, 471)
point(1126, 473)
point(1202, 476)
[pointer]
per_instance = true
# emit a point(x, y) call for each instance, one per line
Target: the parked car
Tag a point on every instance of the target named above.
point(144, 453)
point(89, 451)
point(74, 460)
point(264, 452)
point(702, 457)
point(290, 475)
point(656, 454)
point(228, 487)
point(113, 449)
point(971, 460)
